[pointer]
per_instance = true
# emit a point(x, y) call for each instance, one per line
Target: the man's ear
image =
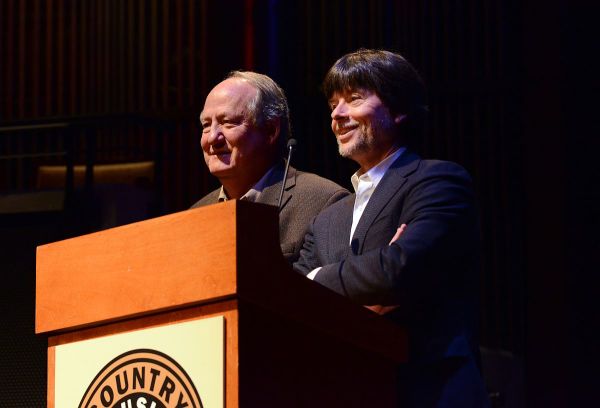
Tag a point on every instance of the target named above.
point(273, 130)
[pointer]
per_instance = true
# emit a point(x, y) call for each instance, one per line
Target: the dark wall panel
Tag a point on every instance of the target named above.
point(153, 61)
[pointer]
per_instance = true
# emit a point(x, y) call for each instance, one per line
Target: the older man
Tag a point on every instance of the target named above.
point(245, 126)
point(406, 243)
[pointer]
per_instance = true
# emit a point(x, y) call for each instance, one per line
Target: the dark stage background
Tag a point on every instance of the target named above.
point(113, 82)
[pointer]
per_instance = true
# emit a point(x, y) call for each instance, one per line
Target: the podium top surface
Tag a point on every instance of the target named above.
point(183, 258)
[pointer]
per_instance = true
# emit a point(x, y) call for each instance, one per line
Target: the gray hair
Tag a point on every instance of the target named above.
point(269, 103)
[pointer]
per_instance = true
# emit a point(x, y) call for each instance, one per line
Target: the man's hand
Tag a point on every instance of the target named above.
point(379, 309)
point(398, 233)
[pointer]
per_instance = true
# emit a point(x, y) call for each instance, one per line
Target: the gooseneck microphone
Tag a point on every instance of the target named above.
point(291, 144)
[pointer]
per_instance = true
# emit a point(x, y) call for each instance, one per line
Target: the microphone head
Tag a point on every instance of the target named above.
point(291, 143)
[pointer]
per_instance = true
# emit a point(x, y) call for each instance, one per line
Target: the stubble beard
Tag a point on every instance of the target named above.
point(366, 140)
point(362, 142)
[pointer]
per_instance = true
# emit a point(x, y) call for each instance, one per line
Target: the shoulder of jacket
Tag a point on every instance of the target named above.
point(312, 180)
point(210, 198)
point(441, 166)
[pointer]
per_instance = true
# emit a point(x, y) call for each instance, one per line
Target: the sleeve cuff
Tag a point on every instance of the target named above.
point(313, 273)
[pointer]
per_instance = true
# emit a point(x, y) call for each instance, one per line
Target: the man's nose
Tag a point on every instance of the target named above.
point(214, 134)
point(340, 111)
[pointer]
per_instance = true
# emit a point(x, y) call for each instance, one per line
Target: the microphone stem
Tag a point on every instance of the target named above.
point(287, 166)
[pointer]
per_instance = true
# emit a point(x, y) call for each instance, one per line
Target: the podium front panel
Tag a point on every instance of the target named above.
point(181, 363)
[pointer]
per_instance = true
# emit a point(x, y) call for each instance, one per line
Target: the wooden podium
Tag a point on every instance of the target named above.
point(288, 342)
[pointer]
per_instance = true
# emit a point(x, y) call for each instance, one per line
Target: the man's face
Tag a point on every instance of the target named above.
point(363, 126)
point(230, 142)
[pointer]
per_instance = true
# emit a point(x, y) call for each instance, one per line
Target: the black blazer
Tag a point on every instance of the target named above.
point(431, 272)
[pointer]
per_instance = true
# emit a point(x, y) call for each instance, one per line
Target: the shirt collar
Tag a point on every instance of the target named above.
point(252, 194)
point(376, 173)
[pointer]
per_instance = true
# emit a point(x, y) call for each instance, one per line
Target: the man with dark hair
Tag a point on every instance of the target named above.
point(406, 243)
point(245, 127)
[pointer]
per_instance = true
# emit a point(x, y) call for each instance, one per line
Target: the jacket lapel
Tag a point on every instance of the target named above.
point(392, 181)
point(339, 229)
point(270, 194)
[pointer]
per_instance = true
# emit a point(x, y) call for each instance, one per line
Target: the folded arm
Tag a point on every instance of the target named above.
point(442, 231)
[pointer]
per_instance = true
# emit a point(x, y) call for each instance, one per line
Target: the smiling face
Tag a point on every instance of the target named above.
point(234, 148)
point(364, 127)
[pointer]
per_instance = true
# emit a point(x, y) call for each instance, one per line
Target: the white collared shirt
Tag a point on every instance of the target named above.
point(253, 194)
point(364, 186)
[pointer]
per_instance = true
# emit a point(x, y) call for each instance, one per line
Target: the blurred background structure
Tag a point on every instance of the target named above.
point(99, 101)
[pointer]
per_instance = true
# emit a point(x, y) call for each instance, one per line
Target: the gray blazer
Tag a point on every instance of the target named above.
point(305, 195)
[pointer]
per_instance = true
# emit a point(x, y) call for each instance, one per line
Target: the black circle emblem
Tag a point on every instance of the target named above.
point(142, 378)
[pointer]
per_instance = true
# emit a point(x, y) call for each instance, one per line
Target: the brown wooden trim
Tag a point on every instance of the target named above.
point(51, 375)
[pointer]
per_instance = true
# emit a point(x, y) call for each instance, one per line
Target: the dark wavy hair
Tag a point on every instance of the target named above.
point(389, 75)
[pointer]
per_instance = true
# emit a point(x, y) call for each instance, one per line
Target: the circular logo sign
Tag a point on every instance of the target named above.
point(142, 378)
